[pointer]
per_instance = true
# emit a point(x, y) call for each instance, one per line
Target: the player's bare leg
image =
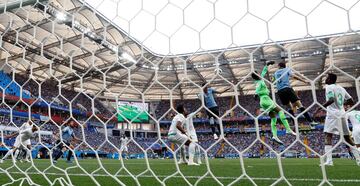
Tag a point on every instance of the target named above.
point(198, 154)
point(120, 155)
point(307, 116)
point(70, 152)
point(328, 152)
point(22, 154)
point(28, 153)
point(182, 155)
point(217, 124)
point(353, 148)
point(358, 150)
point(126, 155)
point(192, 146)
point(292, 110)
point(9, 153)
point(17, 154)
point(214, 122)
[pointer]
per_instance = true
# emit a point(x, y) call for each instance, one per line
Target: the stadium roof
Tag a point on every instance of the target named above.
point(46, 39)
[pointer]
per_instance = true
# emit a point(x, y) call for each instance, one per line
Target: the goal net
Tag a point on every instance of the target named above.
point(92, 92)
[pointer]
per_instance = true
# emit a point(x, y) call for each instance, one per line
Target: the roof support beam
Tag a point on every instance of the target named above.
point(232, 74)
point(148, 82)
point(151, 78)
point(118, 80)
point(196, 71)
point(322, 67)
point(227, 65)
point(108, 68)
point(26, 27)
point(65, 62)
point(177, 80)
point(86, 31)
point(323, 62)
point(92, 35)
point(37, 50)
point(200, 75)
point(137, 68)
point(18, 4)
point(32, 23)
point(96, 74)
point(48, 56)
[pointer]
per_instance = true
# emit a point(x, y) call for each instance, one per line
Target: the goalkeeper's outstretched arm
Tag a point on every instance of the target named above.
point(266, 67)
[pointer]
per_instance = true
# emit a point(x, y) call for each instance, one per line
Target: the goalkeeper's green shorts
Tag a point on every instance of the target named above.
point(266, 103)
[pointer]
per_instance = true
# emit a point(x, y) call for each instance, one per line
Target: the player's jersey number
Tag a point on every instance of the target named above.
point(357, 116)
point(340, 100)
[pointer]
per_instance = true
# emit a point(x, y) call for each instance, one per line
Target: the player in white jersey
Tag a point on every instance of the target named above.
point(18, 145)
point(335, 121)
point(177, 135)
point(22, 141)
point(123, 147)
point(193, 137)
point(354, 117)
point(20, 152)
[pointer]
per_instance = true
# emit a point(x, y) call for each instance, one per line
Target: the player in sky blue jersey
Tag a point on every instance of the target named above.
point(67, 135)
point(286, 93)
point(210, 103)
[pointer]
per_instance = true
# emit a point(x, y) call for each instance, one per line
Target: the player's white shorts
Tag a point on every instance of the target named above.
point(178, 138)
point(27, 142)
point(123, 149)
point(356, 136)
point(333, 124)
point(19, 144)
point(194, 138)
point(17, 141)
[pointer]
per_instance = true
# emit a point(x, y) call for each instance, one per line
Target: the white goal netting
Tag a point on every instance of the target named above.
point(89, 90)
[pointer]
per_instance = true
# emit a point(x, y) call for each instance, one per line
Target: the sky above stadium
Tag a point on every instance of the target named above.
point(185, 26)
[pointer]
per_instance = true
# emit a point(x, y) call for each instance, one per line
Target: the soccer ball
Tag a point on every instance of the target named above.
point(218, 70)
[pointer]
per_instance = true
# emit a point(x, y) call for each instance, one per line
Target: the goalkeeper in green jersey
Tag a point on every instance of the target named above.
point(268, 105)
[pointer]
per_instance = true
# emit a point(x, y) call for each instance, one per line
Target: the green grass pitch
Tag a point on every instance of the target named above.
point(263, 172)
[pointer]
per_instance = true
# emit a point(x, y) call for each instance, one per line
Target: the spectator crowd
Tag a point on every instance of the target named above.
point(239, 140)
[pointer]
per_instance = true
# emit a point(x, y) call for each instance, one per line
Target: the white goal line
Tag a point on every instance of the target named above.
point(207, 177)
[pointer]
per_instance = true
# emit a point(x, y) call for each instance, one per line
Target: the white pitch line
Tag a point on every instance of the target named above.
point(208, 177)
point(126, 163)
point(173, 163)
